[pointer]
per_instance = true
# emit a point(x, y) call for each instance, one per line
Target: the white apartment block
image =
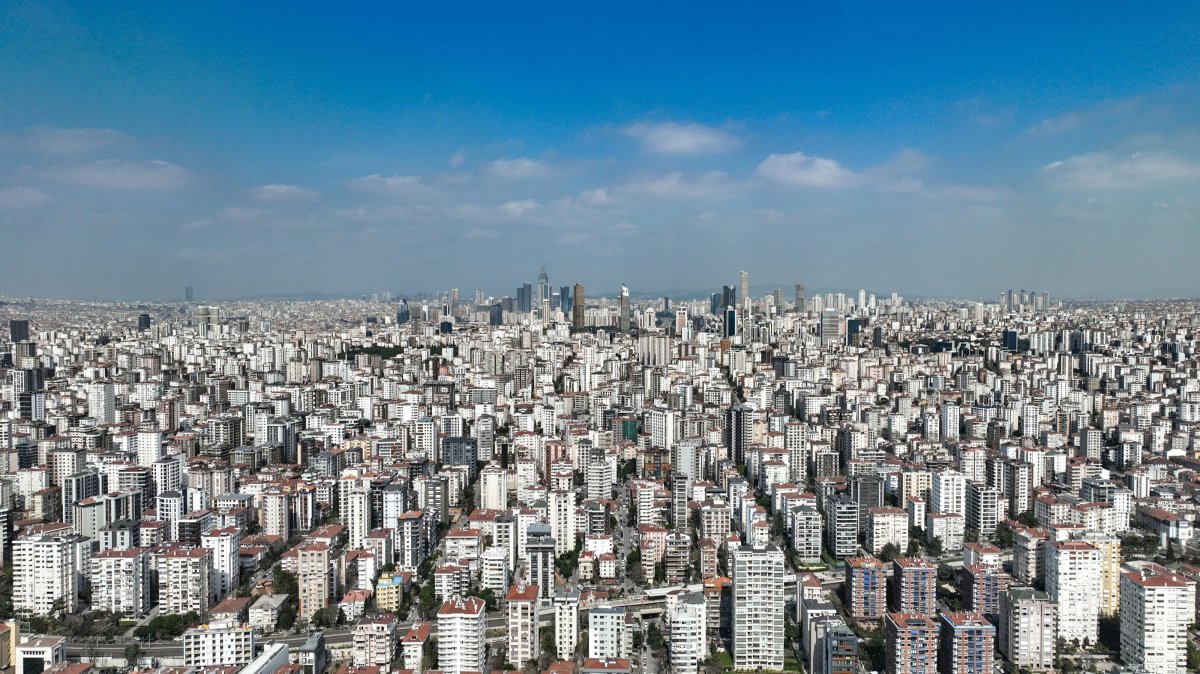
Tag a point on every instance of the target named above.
point(121, 582)
point(522, 608)
point(758, 607)
point(689, 645)
point(948, 492)
point(607, 633)
point(184, 577)
point(218, 644)
point(1156, 611)
point(49, 571)
point(1073, 580)
point(460, 625)
point(886, 525)
point(375, 641)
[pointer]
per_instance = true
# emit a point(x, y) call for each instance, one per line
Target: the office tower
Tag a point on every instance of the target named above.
point(743, 289)
point(461, 451)
point(1028, 630)
point(184, 580)
point(18, 330)
point(312, 578)
point(914, 585)
point(688, 633)
point(49, 572)
point(189, 294)
point(948, 493)
point(539, 559)
point(564, 300)
point(143, 322)
point(730, 323)
point(758, 607)
point(832, 327)
point(522, 607)
point(1073, 581)
point(566, 622)
point(866, 588)
point(1156, 611)
point(578, 305)
point(739, 424)
point(623, 310)
point(525, 298)
point(799, 297)
point(461, 639)
point(867, 491)
point(841, 526)
point(544, 293)
point(967, 641)
point(911, 644)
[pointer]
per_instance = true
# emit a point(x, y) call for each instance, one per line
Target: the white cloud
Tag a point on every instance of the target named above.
point(686, 138)
point(14, 198)
point(390, 186)
point(678, 186)
point(596, 197)
point(480, 233)
point(117, 174)
point(800, 170)
point(282, 194)
point(49, 140)
point(1061, 124)
point(243, 213)
point(520, 168)
point(519, 208)
point(1103, 171)
point(457, 159)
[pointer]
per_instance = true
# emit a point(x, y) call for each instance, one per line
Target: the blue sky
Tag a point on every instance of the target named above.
point(251, 148)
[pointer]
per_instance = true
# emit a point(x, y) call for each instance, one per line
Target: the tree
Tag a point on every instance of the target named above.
point(287, 618)
point(889, 552)
point(426, 599)
point(1028, 519)
point(935, 547)
point(654, 637)
point(549, 642)
point(284, 582)
point(913, 547)
point(132, 651)
point(1004, 535)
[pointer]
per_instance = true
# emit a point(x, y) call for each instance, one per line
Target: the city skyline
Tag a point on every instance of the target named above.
point(146, 148)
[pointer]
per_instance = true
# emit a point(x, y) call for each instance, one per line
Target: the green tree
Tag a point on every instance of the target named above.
point(132, 651)
point(287, 618)
point(654, 637)
point(1004, 535)
point(426, 599)
point(889, 552)
point(935, 546)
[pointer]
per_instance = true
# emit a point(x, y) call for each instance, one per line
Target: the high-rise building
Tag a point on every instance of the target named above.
point(623, 310)
point(866, 588)
point(1073, 581)
point(607, 633)
point(566, 622)
point(758, 607)
point(121, 582)
point(312, 578)
point(184, 580)
point(841, 526)
point(189, 294)
point(578, 307)
point(49, 572)
point(948, 493)
point(18, 330)
point(743, 289)
point(911, 644)
point(1028, 628)
point(914, 585)
point(522, 607)
point(1156, 610)
point(688, 633)
point(461, 639)
point(967, 642)
point(832, 327)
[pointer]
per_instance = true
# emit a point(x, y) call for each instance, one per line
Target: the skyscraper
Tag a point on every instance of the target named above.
point(189, 294)
point(800, 297)
point(623, 310)
point(18, 330)
point(1156, 610)
point(743, 288)
point(543, 293)
point(578, 303)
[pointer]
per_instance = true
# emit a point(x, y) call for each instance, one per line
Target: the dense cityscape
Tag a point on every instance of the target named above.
point(573, 479)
